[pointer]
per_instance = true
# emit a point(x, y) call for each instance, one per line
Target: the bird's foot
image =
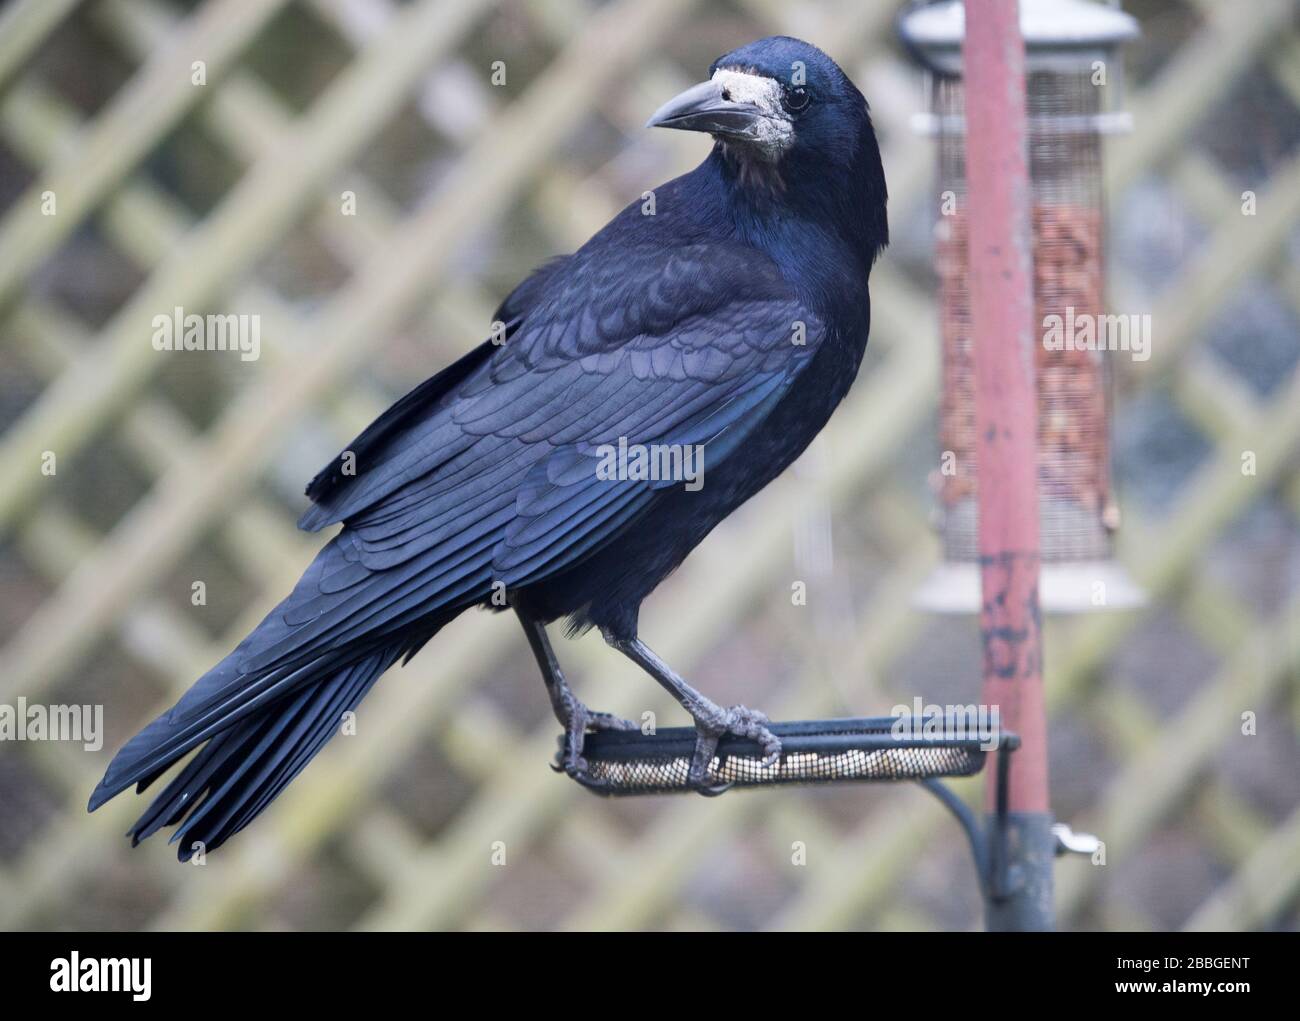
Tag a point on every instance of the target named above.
point(579, 721)
point(711, 723)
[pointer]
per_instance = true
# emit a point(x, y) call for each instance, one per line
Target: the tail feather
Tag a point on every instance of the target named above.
point(304, 749)
point(250, 756)
point(254, 721)
point(179, 796)
point(217, 700)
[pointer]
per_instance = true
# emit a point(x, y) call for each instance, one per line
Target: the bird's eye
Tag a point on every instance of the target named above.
point(796, 99)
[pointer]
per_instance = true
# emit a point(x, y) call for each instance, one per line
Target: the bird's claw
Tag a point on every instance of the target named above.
point(711, 723)
point(578, 721)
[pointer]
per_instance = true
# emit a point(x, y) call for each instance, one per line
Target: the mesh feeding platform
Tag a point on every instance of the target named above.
point(813, 752)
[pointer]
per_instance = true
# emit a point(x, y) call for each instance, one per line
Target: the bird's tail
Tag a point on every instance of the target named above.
point(260, 732)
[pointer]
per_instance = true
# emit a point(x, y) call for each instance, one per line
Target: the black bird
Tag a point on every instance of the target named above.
point(730, 323)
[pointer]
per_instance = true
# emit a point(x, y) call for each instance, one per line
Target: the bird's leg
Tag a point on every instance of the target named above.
point(711, 719)
point(574, 716)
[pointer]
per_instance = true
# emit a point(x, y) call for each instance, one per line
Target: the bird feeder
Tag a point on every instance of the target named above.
point(1073, 90)
point(624, 762)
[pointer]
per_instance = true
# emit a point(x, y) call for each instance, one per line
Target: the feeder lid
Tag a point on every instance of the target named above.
point(1067, 30)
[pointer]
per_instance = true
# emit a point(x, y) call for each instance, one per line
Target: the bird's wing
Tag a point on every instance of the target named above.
point(493, 477)
point(407, 413)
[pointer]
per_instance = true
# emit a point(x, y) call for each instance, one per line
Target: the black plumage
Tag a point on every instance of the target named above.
point(733, 318)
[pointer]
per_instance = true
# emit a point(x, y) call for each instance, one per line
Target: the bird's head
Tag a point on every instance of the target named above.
point(771, 100)
point(789, 122)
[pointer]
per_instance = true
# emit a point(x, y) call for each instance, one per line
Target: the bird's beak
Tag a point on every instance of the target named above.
point(703, 108)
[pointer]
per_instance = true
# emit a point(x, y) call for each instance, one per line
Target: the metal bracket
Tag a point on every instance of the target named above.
point(999, 842)
point(989, 849)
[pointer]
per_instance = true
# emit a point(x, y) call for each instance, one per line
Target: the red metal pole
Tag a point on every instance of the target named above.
point(1001, 289)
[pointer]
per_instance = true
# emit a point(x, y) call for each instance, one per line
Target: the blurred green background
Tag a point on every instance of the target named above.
point(227, 197)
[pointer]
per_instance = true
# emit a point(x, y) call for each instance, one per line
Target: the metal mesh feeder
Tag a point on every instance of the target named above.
point(621, 763)
point(813, 752)
point(1073, 81)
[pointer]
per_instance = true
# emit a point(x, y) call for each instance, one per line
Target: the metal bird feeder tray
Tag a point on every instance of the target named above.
point(813, 752)
point(1073, 79)
point(623, 762)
